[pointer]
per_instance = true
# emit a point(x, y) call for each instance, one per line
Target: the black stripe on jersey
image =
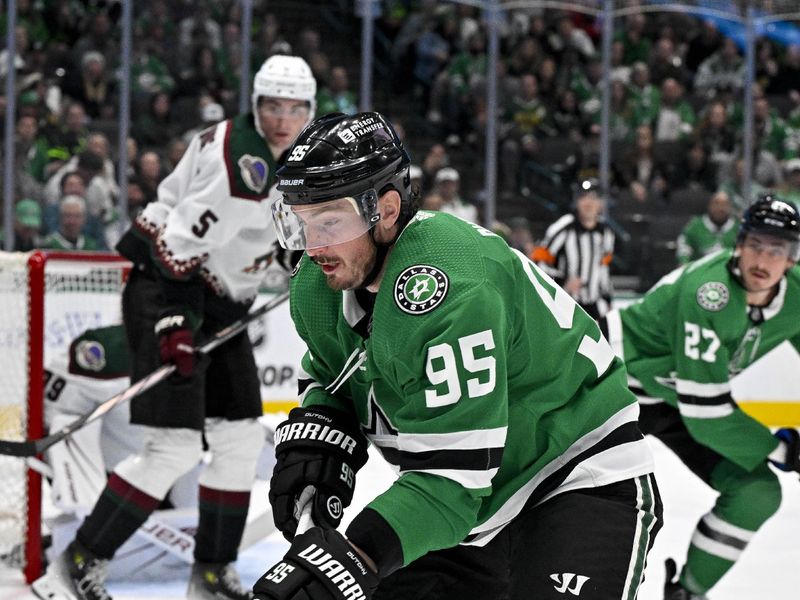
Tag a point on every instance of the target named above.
point(720, 400)
point(722, 538)
point(302, 385)
point(624, 434)
point(478, 459)
point(637, 391)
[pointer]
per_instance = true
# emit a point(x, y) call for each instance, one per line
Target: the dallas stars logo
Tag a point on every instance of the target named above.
point(713, 295)
point(420, 289)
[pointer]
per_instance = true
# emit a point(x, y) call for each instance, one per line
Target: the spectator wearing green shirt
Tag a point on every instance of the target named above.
point(710, 232)
point(31, 147)
point(791, 183)
point(675, 118)
point(27, 223)
point(71, 220)
point(636, 45)
point(588, 87)
point(723, 69)
point(775, 135)
point(67, 137)
point(645, 95)
point(337, 95)
point(732, 184)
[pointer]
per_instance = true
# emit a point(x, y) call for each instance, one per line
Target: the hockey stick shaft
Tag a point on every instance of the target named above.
point(34, 447)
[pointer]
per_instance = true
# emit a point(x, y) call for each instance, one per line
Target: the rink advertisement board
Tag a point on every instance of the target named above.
point(278, 350)
point(769, 390)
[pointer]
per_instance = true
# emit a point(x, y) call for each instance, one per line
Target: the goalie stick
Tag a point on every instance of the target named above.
point(33, 447)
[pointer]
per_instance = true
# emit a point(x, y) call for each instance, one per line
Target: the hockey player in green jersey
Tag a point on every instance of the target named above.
point(699, 326)
point(502, 408)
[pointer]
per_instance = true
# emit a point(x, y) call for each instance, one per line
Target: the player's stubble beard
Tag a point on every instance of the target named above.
point(352, 272)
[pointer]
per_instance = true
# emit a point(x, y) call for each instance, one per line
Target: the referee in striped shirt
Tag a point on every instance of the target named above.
point(577, 250)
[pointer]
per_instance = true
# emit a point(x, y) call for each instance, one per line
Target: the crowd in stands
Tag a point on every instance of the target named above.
point(676, 122)
point(185, 66)
point(676, 107)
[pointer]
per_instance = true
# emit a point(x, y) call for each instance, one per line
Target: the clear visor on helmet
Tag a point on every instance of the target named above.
point(309, 226)
point(770, 245)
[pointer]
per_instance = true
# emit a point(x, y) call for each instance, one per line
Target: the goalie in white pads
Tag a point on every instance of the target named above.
point(199, 255)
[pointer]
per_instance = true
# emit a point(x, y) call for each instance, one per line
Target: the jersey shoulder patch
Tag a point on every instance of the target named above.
point(100, 353)
point(420, 288)
point(248, 160)
point(713, 295)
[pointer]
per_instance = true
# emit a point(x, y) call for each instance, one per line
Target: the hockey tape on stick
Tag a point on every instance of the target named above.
point(303, 507)
point(34, 447)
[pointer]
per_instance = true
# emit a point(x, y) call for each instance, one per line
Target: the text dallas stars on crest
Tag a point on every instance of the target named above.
point(420, 289)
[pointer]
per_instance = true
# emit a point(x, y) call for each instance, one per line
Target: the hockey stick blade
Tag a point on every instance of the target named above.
point(29, 448)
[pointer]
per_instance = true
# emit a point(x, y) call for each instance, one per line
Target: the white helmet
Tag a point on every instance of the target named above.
point(284, 76)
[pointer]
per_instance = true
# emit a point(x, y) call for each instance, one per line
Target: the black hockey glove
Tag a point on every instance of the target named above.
point(790, 437)
point(320, 565)
point(321, 447)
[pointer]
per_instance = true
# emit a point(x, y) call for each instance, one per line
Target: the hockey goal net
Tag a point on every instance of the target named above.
point(46, 300)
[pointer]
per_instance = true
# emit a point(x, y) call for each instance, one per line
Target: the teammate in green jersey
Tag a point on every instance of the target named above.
point(699, 326)
point(522, 471)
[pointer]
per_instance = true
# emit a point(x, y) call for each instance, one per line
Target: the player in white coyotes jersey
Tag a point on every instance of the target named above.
point(199, 255)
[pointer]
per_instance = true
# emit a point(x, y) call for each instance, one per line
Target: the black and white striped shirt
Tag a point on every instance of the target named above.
point(569, 250)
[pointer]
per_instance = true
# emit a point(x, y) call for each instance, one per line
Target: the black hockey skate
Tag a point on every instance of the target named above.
point(76, 574)
point(214, 581)
point(673, 590)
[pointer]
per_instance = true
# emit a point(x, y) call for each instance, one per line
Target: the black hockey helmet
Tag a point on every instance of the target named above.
point(345, 158)
point(771, 215)
point(342, 155)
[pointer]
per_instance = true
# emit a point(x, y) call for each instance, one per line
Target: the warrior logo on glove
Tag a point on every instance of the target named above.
point(320, 447)
point(322, 565)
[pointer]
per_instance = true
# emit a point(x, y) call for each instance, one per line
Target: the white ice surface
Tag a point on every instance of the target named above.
point(769, 568)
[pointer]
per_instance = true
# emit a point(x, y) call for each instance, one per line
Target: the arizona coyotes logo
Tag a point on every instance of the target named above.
point(254, 172)
point(90, 355)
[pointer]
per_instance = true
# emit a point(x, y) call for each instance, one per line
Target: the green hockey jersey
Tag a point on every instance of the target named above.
point(690, 334)
point(702, 236)
point(476, 376)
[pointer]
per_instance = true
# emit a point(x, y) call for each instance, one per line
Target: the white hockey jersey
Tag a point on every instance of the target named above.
point(213, 213)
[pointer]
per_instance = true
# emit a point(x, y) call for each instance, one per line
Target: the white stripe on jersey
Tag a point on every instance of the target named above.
point(700, 411)
point(614, 323)
point(630, 465)
point(472, 480)
point(687, 387)
point(476, 439)
point(641, 538)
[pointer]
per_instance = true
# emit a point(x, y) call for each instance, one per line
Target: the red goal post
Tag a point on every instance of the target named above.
point(46, 299)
